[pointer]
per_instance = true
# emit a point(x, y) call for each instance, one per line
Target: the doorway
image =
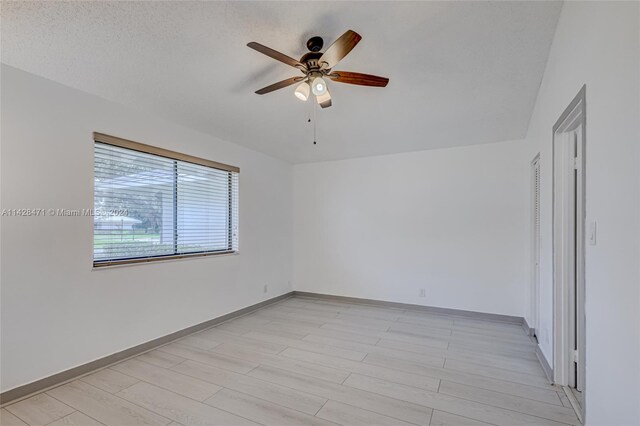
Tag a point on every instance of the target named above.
point(569, 140)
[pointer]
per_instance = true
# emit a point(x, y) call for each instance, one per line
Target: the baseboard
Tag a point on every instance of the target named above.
point(432, 309)
point(548, 371)
point(528, 330)
point(57, 379)
point(577, 408)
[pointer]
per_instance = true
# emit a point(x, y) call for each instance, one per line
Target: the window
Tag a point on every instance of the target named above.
point(153, 204)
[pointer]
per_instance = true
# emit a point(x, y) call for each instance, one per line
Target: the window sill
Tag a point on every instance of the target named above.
point(166, 259)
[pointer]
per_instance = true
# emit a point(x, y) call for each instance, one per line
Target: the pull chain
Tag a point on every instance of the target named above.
point(314, 123)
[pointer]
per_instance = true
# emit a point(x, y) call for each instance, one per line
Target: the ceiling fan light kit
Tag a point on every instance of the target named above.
point(302, 91)
point(324, 100)
point(317, 68)
point(319, 86)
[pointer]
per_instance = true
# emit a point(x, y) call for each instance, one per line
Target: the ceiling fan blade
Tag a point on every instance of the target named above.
point(358, 78)
point(279, 85)
point(275, 54)
point(339, 49)
point(324, 100)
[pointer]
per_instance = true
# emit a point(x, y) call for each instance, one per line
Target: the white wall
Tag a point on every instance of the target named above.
point(453, 221)
point(598, 44)
point(56, 311)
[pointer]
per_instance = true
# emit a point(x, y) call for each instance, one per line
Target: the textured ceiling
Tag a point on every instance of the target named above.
point(461, 72)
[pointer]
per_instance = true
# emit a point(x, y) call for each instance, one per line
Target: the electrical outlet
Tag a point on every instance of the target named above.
point(266, 288)
point(423, 292)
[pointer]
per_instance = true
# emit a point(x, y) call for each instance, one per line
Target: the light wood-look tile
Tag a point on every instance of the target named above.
point(510, 402)
point(426, 318)
point(258, 345)
point(179, 408)
point(497, 350)
point(444, 402)
point(344, 414)
point(310, 315)
point(39, 410)
point(307, 320)
point(237, 329)
point(538, 380)
point(197, 341)
point(486, 324)
point(500, 362)
point(426, 330)
point(241, 330)
point(160, 358)
point(215, 359)
point(316, 308)
point(564, 399)
point(526, 391)
point(310, 346)
point(393, 407)
point(319, 331)
point(301, 367)
point(365, 323)
point(441, 418)
point(8, 419)
point(397, 376)
point(427, 341)
point(421, 358)
point(277, 394)
point(251, 320)
point(109, 380)
point(262, 411)
point(493, 360)
point(427, 321)
point(348, 309)
point(179, 383)
point(105, 407)
point(76, 419)
point(318, 362)
point(502, 337)
point(477, 341)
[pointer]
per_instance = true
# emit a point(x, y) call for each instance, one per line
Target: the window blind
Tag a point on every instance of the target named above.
point(150, 206)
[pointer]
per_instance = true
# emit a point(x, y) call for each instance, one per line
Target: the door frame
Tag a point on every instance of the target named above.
point(535, 246)
point(574, 116)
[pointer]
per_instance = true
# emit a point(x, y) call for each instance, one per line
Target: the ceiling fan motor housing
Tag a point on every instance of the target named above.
point(314, 44)
point(310, 60)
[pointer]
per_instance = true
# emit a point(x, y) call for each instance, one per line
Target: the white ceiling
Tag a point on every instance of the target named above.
point(460, 72)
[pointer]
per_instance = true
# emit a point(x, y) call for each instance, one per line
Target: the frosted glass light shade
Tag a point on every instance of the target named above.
point(318, 86)
point(302, 91)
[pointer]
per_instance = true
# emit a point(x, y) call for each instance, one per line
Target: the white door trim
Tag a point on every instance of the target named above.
point(569, 138)
point(535, 245)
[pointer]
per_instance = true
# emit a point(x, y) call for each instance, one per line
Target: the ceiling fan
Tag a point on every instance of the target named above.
point(317, 67)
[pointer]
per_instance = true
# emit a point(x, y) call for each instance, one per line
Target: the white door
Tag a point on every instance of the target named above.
point(576, 292)
point(572, 267)
point(570, 232)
